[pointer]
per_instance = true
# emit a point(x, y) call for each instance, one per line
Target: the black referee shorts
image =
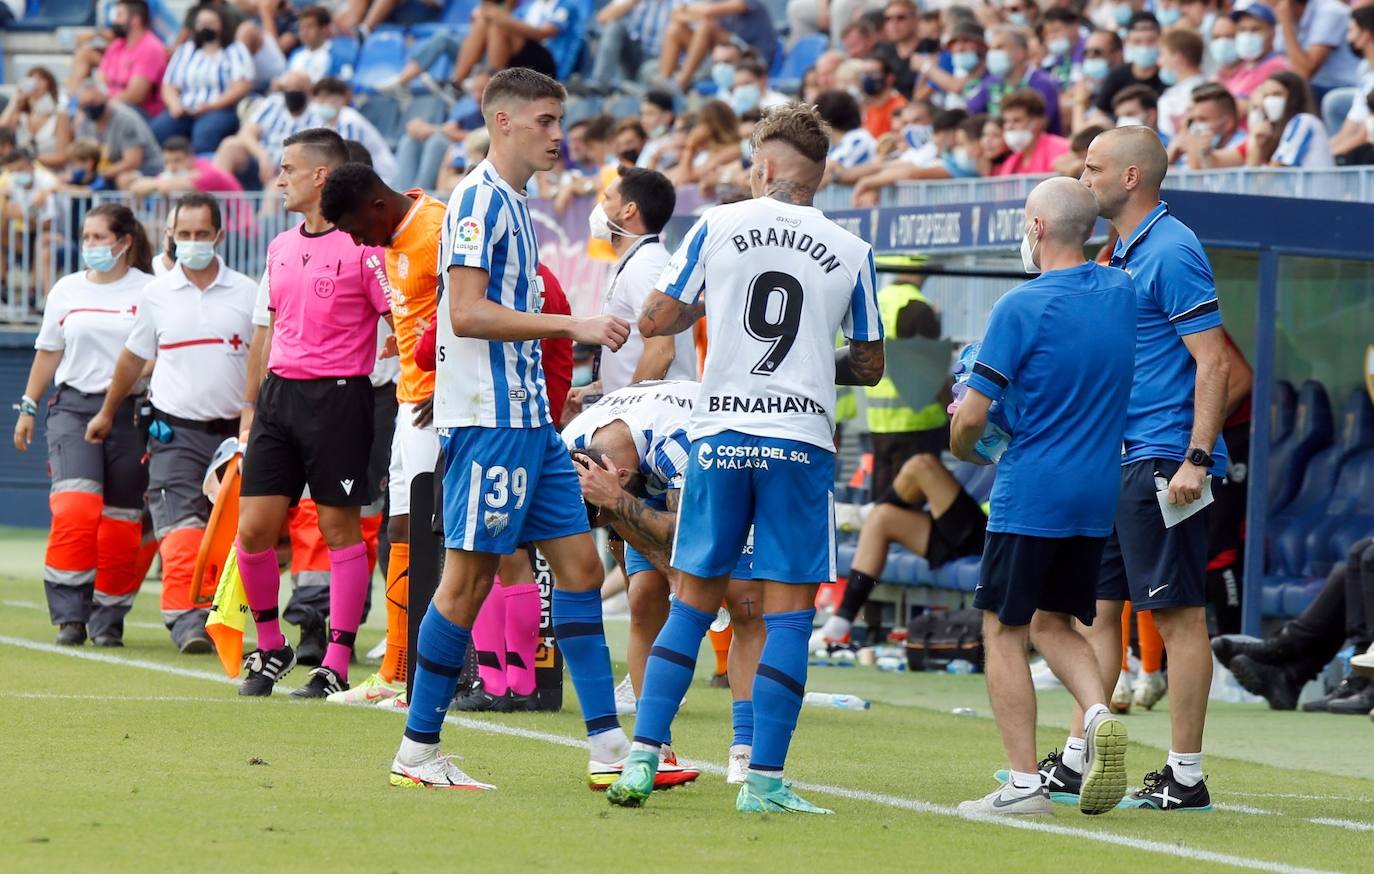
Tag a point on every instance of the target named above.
point(1022, 574)
point(315, 432)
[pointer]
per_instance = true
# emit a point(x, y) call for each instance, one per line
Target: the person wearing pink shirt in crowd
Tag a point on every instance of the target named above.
point(1023, 127)
point(134, 62)
point(1255, 28)
point(310, 422)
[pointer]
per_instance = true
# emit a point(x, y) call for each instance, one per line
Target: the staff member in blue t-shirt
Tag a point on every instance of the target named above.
point(1173, 440)
point(1065, 340)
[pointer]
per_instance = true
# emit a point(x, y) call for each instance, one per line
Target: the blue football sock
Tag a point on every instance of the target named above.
point(438, 661)
point(779, 686)
point(582, 640)
point(742, 718)
point(668, 673)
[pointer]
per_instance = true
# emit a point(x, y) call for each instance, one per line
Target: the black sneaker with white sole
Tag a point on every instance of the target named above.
point(479, 700)
point(1162, 791)
point(265, 668)
point(1062, 782)
point(323, 682)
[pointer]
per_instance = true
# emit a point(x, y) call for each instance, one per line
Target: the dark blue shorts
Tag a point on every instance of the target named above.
point(1151, 566)
point(1022, 574)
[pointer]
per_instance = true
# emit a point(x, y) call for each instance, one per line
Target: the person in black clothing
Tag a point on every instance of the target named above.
point(1142, 61)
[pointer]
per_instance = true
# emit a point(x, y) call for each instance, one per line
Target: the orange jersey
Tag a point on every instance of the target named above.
point(412, 259)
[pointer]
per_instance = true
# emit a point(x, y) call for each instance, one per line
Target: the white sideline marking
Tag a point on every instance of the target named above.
point(30, 605)
point(1362, 799)
point(1345, 823)
point(894, 801)
point(1352, 825)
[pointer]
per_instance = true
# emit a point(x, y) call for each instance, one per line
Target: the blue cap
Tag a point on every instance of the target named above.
point(1256, 10)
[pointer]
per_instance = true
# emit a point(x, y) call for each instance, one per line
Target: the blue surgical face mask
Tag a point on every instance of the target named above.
point(744, 98)
point(1018, 18)
point(917, 135)
point(326, 111)
point(1223, 50)
point(1096, 69)
point(101, 259)
point(964, 61)
point(1168, 16)
point(582, 375)
point(21, 179)
point(723, 75)
point(1249, 46)
point(999, 62)
point(1167, 76)
point(195, 254)
point(1123, 13)
point(1059, 46)
point(964, 161)
point(1142, 56)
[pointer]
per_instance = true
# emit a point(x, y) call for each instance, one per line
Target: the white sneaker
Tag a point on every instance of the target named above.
point(1121, 695)
point(397, 704)
point(625, 702)
point(1148, 689)
point(377, 653)
point(996, 803)
point(738, 767)
point(1042, 677)
point(1363, 664)
point(437, 772)
point(369, 691)
point(722, 621)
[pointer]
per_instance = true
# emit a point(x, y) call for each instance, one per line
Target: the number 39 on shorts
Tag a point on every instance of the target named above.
point(502, 484)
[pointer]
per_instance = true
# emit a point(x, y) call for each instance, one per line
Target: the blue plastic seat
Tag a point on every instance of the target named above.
point(458, 13)
point(382, 56)
point(1283, 412)
point(384, 112)
point(579, 109)
point(624, 106)
point(52, 14)
point(343, 56)
point(1349, 512)
point(802, 58)
point(426, 107)
point(1312, 431)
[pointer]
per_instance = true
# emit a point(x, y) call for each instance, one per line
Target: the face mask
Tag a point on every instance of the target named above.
point(1096, 69)
point(1223, 51)
point(1059, 46)
point(1167, 76)
point(22, 179)
point(723, 75)
point(33, 85)
point(999, 63)
point(1274, 105)
point(1142, 56)
point(1018, 18)
point(917, 135)
point(78, 176)
point(630, 156)
point(872, 85)
point(1028, 252)
point(1017, 140)
point(661, 130)
point(326, 111)
point(964, 62)
point(101, 259)
point(964, 161)
point(195, 254)
point(1130, 121)
point(856, 92)
point(205, 36)
point(120, 31)
point(1354, 49)
point(44, 105)
point(295, 101)
point(1198, 129)
point(744, 98)
point(582, 375)
point(1122, 12)
point(1249, 46)
point(94, 111)
point(1168, 16)
point(601, 226)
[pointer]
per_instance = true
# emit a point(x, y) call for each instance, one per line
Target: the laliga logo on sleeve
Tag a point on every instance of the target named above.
point(469, 234)
point(704, 456)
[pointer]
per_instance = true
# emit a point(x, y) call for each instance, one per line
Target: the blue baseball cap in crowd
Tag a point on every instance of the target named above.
point(1256, 10)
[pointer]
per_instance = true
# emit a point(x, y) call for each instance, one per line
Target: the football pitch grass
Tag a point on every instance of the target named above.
point(140, 759)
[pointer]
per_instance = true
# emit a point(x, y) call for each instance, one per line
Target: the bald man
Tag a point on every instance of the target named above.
point(1173, 442)
point(1065, 340)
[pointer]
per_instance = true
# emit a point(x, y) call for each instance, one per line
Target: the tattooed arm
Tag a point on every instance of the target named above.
point(648, 530)
point(859, 363)
point(666, 315)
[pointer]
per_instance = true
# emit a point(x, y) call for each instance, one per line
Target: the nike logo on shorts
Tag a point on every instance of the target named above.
point(1154, 592)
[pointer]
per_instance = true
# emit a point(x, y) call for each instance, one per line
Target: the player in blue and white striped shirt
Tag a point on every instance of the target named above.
point(508, 479)
point(205, 80)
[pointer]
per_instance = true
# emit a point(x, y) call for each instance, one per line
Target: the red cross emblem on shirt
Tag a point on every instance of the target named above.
point(235, 341)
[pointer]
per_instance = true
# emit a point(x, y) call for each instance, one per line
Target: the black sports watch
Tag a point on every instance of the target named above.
point(1199, 458)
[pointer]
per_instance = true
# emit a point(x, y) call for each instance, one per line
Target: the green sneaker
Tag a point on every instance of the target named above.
point(770, 795)
point(636, 781)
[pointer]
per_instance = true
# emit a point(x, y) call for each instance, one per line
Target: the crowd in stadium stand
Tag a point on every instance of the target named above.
point(913, 92)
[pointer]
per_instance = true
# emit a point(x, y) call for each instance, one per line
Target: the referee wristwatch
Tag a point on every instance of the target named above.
point(1199, 458)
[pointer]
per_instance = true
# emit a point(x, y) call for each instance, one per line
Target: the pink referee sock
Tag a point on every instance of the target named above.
point(489, 640)
point(522, 636)
point(348, 579)
point(261, 585)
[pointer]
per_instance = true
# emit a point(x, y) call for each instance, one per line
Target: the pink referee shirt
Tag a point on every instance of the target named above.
point(147, 58)
point(327, 294)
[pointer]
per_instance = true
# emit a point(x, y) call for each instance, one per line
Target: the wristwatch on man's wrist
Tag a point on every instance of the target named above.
point(1199, 458)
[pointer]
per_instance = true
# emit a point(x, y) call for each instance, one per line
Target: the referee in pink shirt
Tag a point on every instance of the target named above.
point(313, 420)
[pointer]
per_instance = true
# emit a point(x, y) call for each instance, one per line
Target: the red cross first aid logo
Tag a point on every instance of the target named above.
point(468, 237)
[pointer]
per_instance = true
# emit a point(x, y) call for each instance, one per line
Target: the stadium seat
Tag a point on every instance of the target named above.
point(1349, 516)
point(1312, 431)
point(385, 114)
point(426, 107)
point(579, 109)
point(343, 56)
point(802, 58)
point(1283, 412)
point(52, 14)
point(458, 13)
point(382, 56)
point(624, 106)
point(775, 68)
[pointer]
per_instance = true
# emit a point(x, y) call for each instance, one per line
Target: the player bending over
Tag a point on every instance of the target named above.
point(781, 280)
point(634, 442)
point(508, 479)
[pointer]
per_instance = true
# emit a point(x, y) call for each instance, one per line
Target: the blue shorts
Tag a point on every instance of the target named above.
point(636, 562)
point(507, 486)
point(783, 488)
point(1151, 566)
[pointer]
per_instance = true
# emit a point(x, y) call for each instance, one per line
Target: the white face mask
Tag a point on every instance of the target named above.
point(44, 105)
point(601, 226)
point(1028, 252)
point(1129, 121)
point(1274, 105)
point(195, 254)
point(1018, 140)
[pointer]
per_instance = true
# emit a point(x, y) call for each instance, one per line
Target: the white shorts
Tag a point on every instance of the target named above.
point(413, 451)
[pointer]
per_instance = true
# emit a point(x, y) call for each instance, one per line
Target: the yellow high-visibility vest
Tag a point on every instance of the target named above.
point(887, 412)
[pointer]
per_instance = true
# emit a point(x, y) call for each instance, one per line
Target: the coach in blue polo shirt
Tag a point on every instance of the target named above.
point(1065, 340)
point(1173, 441)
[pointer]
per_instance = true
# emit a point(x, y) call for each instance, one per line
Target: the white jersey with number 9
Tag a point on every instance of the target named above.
point(778, 281)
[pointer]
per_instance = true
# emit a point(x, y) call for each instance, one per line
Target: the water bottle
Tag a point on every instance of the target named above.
point(961, 666)
point(836, 700)
point(891, 663)
point(998, 431)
